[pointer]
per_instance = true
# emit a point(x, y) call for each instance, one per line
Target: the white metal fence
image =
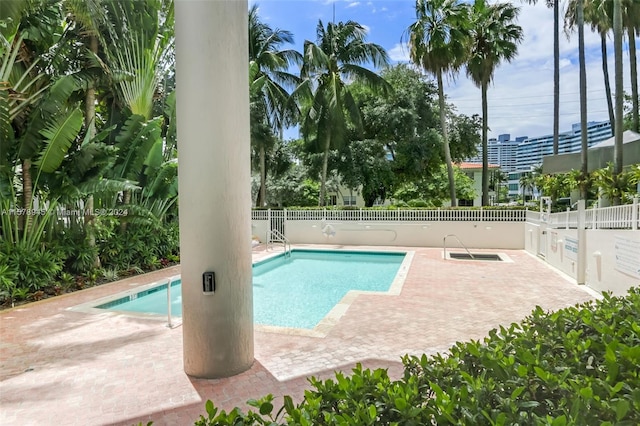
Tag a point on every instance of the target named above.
point(616, 217)
point(480, 215)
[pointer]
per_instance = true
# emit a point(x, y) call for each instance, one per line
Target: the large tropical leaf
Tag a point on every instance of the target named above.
point(154, 157)
point(60, 132)
point(10, 14)
point(6, 131)
point(141, 44)
point(53, 102)
point(16, 81)
point(106, 186)
point(134, 142)
point(165, 183)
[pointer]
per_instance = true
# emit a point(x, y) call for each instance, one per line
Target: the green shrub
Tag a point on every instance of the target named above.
point(143, 244)
point(418, 203)
point(32, 269)
point(579, 365)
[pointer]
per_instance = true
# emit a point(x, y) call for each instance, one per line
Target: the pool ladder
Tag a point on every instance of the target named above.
point(275, 236)
point(444, 245)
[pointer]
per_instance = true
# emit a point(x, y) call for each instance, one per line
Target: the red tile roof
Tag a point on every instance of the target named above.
point(465, 165)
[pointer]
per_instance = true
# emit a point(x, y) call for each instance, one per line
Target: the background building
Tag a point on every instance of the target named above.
point(522, 155)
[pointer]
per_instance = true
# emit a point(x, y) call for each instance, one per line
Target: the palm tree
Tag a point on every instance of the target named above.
point(617, 50)
point(269, 79)
point(329, 65)
point(576, 14)
point(584, 170)
point(494, 37)
point(89, 15)
point(498, 179)
point(599, 14)
point(139, 47)
point(527, 182)
point(631, 21)
point(438, 43)
point(555, 4)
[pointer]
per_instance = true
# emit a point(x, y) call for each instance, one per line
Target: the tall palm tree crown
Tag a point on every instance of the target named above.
point(495, 38)
point(269, 78)
point(269, 66)
point(438, 43)
point(337, 58)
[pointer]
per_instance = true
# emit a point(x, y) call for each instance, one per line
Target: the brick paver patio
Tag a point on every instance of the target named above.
point(60, 367)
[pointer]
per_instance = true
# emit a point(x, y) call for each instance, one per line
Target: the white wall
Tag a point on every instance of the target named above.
point(603, 269)
point(532, 238)
point(496, 235)
point(259, 229)
point(558, 250)
point(612, 256)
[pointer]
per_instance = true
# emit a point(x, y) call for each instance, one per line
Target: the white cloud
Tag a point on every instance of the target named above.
point(353, 4)
point(520, 99)
point(399, 53)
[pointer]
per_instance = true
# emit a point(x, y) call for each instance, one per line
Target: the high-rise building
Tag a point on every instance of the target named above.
point(502, 151)
point(531, 150)
point(528, 152)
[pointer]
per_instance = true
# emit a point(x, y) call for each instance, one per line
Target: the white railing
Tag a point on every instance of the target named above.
point(533, 216)
point(362, 215)
point(615, 217)
point(275, 236)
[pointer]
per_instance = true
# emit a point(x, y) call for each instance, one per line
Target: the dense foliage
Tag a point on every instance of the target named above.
point(88, 143)
point(88, 137)
point(579, 365)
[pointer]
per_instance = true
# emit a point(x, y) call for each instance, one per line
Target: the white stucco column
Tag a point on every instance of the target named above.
point(214, 182)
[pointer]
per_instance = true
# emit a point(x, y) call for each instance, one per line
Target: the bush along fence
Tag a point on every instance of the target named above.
point(577, 366)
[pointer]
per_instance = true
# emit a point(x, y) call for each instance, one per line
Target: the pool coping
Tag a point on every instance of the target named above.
point(322, 329)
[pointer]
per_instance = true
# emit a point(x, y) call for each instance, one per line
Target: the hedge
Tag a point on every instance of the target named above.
point(576, 366)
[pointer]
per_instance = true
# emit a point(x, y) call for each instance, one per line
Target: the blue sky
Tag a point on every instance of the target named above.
point(521, 98)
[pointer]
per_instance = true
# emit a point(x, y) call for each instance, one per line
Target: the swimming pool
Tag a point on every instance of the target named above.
point(297, 291)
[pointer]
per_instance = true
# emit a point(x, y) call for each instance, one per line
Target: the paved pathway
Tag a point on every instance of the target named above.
point(59, 367)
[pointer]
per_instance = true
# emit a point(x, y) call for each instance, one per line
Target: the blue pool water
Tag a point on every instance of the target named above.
point(296, 291)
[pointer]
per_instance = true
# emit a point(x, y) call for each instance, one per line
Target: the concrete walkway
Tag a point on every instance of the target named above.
point(60, 367)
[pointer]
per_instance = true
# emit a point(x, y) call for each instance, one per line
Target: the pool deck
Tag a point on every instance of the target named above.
point(61, 367)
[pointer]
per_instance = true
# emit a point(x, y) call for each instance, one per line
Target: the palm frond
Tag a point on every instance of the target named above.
point(164, 185)
point(60, 132)
point(107, 186)
point(6, 130)
point(154, 158)
point(134, 142)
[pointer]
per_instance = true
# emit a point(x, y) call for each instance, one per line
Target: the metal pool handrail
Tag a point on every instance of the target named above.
point(169, 323)
point(444, 245)
point(276, 236)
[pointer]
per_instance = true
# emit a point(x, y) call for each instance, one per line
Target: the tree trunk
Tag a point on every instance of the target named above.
point(262, 194)
point(617, 52)
point(445, 139)
point(584, 170)
point(90, 125)
point(485, 153)
point(27, 196)
point(126, 199)
point(605, 73)
point(633, 65)
point(556, 76)
point(325, 166)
